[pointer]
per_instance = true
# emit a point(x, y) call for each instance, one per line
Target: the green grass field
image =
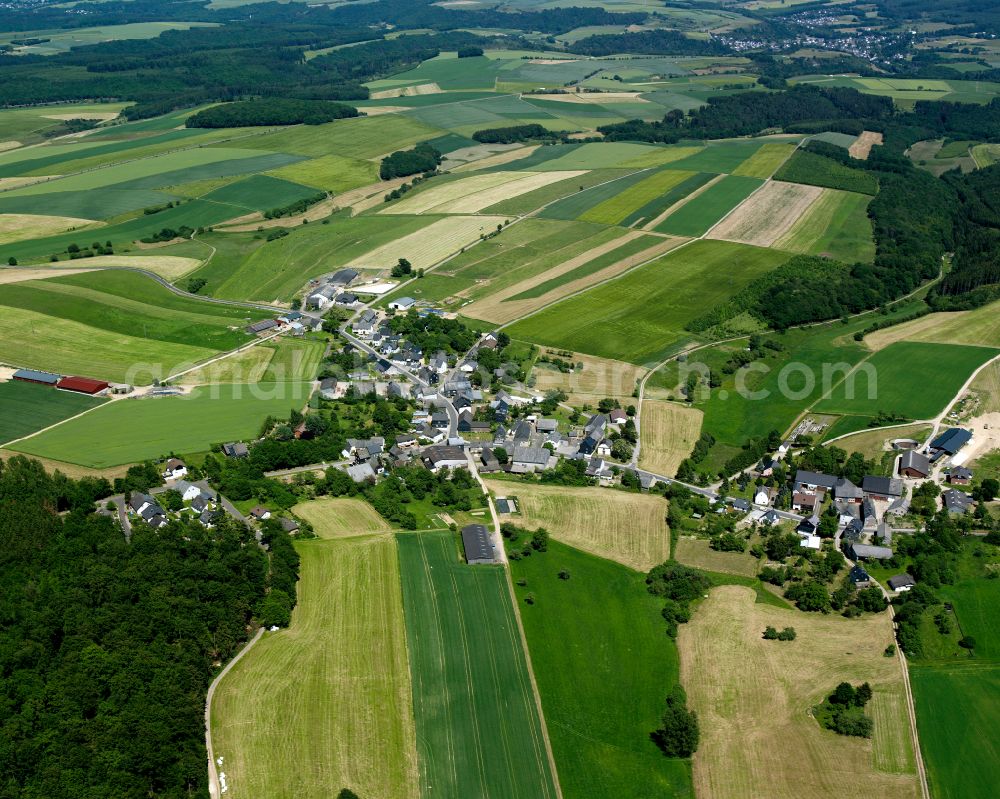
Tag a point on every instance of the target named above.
point(604, 666)
point(765, 162)
point(957, 705)
point(133, 305)
point(260, 193)
point(478, 730)
point(722, 157)
point(897, 377)
point(26, 408)
point(331, 704)
point(330, 172)
point(139, 429)
point(640, 317)
point(699, 214)
point(615, 209)
point(40, 341)
point(837, 226)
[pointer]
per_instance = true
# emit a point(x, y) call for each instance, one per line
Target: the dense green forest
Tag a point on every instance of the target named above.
point(272, 111)
point(402, 163)
point(107, 647)
point(514, 133)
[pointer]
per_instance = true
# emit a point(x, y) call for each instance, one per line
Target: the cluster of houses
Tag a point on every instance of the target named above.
point(333, 291)
point(292, 322)
point(78, 385)
point(200, 503)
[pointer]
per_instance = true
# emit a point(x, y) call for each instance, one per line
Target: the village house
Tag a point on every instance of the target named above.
point(175, 469)
point(882, 488)
point(260, 513)
point(526, 459)
point(960, 476)
point(361, 472)
point(956, 502)
point(444, 456)
point(860, 577)
point(901, 582)
point(235, 449)
point(322, 298)
point(764, 495)
point(812, 481)
point(868, 552)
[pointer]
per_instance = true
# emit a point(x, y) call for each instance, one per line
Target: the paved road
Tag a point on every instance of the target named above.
point(312, 467)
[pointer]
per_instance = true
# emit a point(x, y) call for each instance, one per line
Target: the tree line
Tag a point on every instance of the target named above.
point(272, 111)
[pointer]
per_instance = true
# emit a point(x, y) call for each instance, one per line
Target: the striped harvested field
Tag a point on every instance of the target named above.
point(341, 517)
point(667, 432)
point(427, 247)
point(599, 378)
point(628, 528)
point(768, 214)
point(474, 193)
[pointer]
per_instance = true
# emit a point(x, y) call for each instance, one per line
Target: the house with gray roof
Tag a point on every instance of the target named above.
point(955, 501)
point(527, 459)
point(914, 464)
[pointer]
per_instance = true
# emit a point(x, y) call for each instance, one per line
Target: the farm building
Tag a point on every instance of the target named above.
point(323, 297)
point(346, 299)
point(343, 277)
point(867, 552)
point(505, 505)
point(529, 459)
point(477, 544)
point(914, 464)
point(951, 441)
point(402, 304)
point(901, 582)
point(83, 385)
point(813, 480)
point(33, 376)
point(845, 491)
point(882, 487)
point(261, 327)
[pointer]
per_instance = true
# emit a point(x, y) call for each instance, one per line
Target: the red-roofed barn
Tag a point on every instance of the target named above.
point(82, 385)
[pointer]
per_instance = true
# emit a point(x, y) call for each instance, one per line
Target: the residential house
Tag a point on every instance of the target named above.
point(811, 481)
point(955, 501)
point(138, 502)
point(175, 469)
point(488, 461)
point(466, 424)
point(199, 505)
point(401, 390)
point(439, 362)
point(346, 298)
point(845, 491)
point(770, 518)
point(188, 491)
point(209, 518)
point(522, 432)
point(604, 448)
point(406, 441)
point(960, 476)
point(811, 542)
point(361, 449)
point(526, 459)
point(500, 436)
point(444, 456)
point(361, 472)
point(901, 582)
point(617, 417)
point(599, 469)
point(235, 449)
point(440, 420)
point(740, 504)
point(860, 577)
point(804, 502)
point(364, 325)
point(546, 425)
point(260, 513)
point(914, 464)
point(808, 526)
point(764, 495)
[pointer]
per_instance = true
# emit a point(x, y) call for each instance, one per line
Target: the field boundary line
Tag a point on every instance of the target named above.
point(214, 789)
point(661, 217)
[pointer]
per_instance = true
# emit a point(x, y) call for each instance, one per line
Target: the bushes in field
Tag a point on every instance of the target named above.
point(772, 634)
point(678, 586)
point(422, 158)
point(270, 111)
point(678, 735)
point(843, 711)
point(297, 207)
point(514, 133)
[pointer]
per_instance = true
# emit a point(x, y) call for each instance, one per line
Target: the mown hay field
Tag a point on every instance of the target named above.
point(628, 528)
point(979, 327)
point(753, 698)
point(604, 665)
point(275, 361)
point(601, 263)
point(474, 193)
point(330, 173)
point(26, 408)
point(696, 552)
point(16, 227)
point(667, 434)
point(169, 267)
point(640, 316)
point(477, 721)
point(599, 378)
point(341, 517)
point(873, 444)
point(130, 430)
point(836, 225)
point(325, 704)
point(432, 244)
point(768, 214)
